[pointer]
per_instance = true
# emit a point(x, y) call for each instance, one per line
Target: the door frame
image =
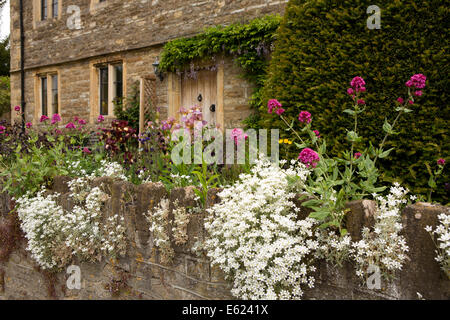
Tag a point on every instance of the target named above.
point(174, 94)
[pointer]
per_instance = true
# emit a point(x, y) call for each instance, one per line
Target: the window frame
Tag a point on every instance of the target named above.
point(48, 96)
point(98, 86)
point(51, 15)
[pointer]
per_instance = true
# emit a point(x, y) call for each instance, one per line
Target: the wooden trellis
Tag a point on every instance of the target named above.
point(147, 100)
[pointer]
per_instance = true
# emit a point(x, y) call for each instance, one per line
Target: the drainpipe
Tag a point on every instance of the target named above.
point(22, 64)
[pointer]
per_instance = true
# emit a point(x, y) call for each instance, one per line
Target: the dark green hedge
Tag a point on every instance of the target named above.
point(322, 44)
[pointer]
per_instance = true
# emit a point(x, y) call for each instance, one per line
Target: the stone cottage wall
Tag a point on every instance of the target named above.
point(128, 30)
point(141, 275)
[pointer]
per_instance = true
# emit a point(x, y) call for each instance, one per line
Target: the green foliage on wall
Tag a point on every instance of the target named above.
point(249, 44)
point(5, 95)
point(128, 108)
point(322, 44)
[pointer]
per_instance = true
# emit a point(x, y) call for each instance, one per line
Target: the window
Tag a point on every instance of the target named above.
point(55, 8)
point(44, 105)
point(104, 91)
point(110, 80)
point(55, 104)
point(47, 95)
point(44, 9)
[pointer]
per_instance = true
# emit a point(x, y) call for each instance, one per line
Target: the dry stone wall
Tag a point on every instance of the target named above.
point(141, 275)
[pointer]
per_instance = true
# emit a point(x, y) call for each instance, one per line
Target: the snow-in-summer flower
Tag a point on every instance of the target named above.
point(256, 238)
point(309, 157)
point(383, 246)
point(442, 235)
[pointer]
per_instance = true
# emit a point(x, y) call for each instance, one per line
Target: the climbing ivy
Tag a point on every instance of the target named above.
point(249, 44)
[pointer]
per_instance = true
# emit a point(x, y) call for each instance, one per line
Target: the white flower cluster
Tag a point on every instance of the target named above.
point(443, 241)
point(256, 238)
point(56, 235)
point(105, 169)
point(383, 247)
point(159, 225)
point(143, 177)
point(181, 222)
point(332, 247)
point(111, 169)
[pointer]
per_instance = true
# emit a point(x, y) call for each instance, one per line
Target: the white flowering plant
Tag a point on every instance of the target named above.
point(56, 236)
point(255, 235)
point(384, 246)
point(442, 235)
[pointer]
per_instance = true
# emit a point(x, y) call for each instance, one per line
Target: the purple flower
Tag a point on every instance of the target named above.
point(317, 133)
point(441, 162)
point(304, 117)
point(70, 125)
point(56, 118)
point(272, 105)
point(17, 108)
point(280, 111)
point(2, 129)
point(44, 118)
point(309, 157)
point(418, 81)
point(87, 151)
point(238, 135)
point(358, 84)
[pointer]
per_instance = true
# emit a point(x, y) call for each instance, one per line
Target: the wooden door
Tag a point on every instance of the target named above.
point(201, 91)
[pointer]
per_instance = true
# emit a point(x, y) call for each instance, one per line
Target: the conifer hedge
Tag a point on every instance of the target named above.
point(322, 44)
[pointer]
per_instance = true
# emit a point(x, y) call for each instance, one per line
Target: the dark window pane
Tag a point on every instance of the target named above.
point(55, 8)
point(104, 91)
point(44, 96)
point(43, 9)
point(119, 81)
point(55, 105)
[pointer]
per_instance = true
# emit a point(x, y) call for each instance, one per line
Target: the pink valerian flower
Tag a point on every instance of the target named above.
point(87, 151)
point(357, 155)
point(441, 162)
point(100, 119)
point(350, 91)
point(309, 157)
point(238, 135)
point(17, 108)
point(317, 133)
point(358, 84)
point(44, 118)
point(417, 81)
point(82, 122)
point(418, 93)
point(28, 125)
point(400, 100)
point(70, 125)
point(280, 111)
point(2, 129)
point(57, 131)
point(361, 102)
point(304, 117)
point(274, 105)
point(56, 118)
point(411, 102)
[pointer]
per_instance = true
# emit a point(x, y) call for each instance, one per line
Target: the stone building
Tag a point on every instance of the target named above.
point(81, 54)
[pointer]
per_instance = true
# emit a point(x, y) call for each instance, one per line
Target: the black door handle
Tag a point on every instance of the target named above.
point(212, 108)
point(200, 98)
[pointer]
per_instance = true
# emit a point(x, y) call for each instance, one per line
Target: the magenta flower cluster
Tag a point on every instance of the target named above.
point(309, 157)
point(441, 162)
point(275, 106)
point(238, 135)
point(417, 81)
point(358, 85)
point(304, 117)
